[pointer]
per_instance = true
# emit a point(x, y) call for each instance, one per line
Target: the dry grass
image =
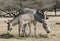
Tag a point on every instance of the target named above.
point(41, 34)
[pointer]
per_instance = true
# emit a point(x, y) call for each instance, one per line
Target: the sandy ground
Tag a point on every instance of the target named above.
point(54, 35)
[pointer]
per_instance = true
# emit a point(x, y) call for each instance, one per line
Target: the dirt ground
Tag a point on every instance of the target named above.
point(54, 35)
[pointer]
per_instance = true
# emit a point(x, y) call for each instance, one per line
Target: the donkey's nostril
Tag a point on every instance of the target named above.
point(48, 32)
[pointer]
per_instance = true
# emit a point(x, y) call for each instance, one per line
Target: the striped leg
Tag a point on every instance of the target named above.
point(19, 29)
point(29, 29)
point(9, 28)
point(23, 30)
point(34, 27)
point(19, 25)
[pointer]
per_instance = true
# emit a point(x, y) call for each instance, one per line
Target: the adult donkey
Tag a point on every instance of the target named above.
point(39, 17)
point(28, 16)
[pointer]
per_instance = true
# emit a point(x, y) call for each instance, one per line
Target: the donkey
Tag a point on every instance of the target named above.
point(40, 17)
point(21, 20)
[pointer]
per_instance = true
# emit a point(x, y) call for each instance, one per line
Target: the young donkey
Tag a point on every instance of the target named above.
point(21, 20)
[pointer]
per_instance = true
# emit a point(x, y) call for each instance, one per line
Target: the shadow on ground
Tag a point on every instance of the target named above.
point(43, 35)
point(6, 36)
point(57, 23)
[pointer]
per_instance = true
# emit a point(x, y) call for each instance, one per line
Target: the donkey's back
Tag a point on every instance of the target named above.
point(24, 19)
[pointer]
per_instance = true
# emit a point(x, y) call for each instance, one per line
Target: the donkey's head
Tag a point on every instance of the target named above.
point(41, 18)
point(9, 26)
point(46, 27)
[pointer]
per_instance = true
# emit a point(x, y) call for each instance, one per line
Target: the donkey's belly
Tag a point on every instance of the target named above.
point(25, 22)
point(27, 18)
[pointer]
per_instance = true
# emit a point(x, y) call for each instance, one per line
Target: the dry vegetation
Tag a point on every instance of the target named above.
point(9, 5)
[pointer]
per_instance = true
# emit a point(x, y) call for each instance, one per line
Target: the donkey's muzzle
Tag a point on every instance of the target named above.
point(48, 31)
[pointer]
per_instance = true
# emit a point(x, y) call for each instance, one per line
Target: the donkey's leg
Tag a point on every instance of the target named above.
point(24, 26)
point(19, 29)
point(34, 28)
point(9, 28)
point(24, 29)
point(29, 29)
